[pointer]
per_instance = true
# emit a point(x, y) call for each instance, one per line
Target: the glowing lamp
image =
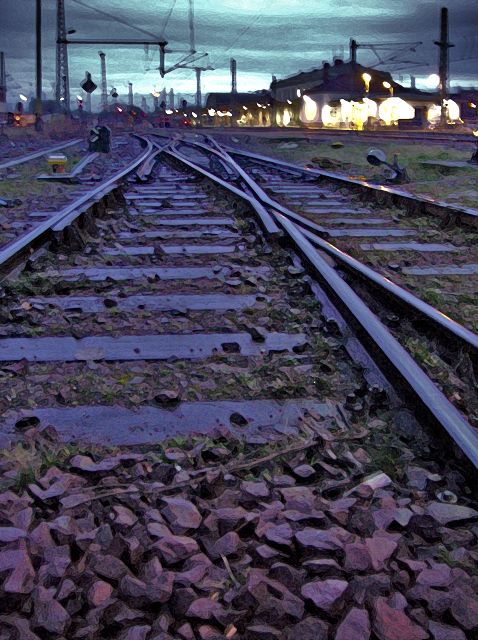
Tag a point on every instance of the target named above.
point(452, 111)
point(393, 109)
point(310, 109)
point(433, 80)
point(366, 77)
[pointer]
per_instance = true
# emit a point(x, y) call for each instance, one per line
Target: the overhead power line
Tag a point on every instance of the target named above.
point(116, 19)
point(173, 4)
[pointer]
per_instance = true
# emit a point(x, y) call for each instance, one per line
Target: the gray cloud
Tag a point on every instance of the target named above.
point(265, 37)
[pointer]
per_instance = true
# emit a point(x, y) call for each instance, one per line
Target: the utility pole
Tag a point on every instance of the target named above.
point(353, 50)
point(38, 108)
point(130, 94)
point(171, 98)
point(104, 86)
point(62, 91)
point(198, 87)
point(443, 44)
point(233, 76)
point(233, 90)
point(3, 78)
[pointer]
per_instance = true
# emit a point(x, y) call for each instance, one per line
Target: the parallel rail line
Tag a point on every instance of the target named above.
point(168, 207)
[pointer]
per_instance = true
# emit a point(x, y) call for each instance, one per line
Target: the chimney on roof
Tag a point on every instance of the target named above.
point(325, 71)
point(413, 82)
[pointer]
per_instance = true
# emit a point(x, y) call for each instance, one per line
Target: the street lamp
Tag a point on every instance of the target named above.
point(388, 86)
point(366, 77)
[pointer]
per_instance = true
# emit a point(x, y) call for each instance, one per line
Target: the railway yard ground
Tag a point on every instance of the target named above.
point(238, 399)
point(457, 183)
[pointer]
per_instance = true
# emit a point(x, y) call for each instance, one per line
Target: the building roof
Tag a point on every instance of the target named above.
point(215, 100)
point(350, 84)
point(328, 72)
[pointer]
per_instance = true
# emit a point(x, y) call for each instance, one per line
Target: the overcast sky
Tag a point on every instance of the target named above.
point(267, 37)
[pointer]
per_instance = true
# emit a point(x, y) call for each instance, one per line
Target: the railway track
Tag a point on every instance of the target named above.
point(197, 303)
point(465, 138)
point(171, 234)
point(34, 155)
point(30, 197)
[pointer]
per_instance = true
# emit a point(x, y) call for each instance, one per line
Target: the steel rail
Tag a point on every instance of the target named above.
point(39, 154)
point(448, 208)
point(465, 335)
point(145, 170)
point(424, 389)
point(459, 331)
point(9, 252)
point(266, 219)
point(469, 338)
point(385, 136)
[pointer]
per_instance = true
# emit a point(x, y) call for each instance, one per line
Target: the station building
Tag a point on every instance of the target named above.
point(350, 95)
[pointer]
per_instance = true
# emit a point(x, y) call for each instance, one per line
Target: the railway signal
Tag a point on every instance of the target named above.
point(88, 85)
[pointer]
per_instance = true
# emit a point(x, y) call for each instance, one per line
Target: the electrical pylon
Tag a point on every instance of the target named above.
point(62, 90)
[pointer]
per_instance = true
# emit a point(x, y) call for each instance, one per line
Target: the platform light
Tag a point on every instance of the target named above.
point(289, 101)
point(79, 98)
point(194, 115)
point(472, 105)
point(393, 109)
point(211, 112)
point(433, 80)
point(259, 105)
point(366, 77)
point(331, 115)
point(244, 107)
point(388, 86)
point(310, 109)
point(452, 111)
point(299, 93)
point(372, 107)
point(24, 98)
point(169, 112)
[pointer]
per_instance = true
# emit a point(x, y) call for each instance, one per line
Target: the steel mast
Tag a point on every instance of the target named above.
point(62, 90)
